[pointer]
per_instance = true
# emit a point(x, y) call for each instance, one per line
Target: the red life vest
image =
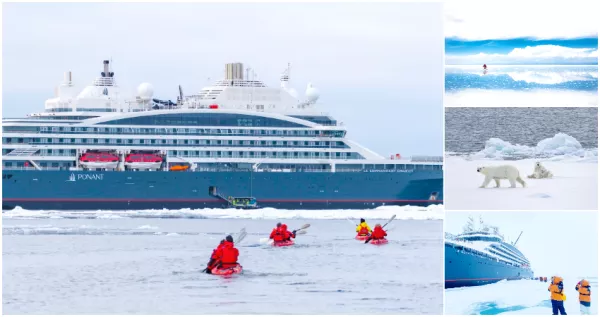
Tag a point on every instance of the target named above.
point(363, 231)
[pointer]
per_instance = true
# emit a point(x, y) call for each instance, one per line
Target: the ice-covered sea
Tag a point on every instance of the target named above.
point(149, 262)
point(525, 297)
point(521, 85)
point(477, 137)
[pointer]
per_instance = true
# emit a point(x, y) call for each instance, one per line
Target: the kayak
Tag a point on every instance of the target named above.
point(378, 241)
point(283, 243)
point(362, 238)
point(228, 271)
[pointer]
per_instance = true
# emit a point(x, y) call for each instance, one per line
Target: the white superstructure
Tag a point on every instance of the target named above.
point(236, 122)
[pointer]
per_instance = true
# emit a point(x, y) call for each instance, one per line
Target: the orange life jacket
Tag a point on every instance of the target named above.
point(584, 291)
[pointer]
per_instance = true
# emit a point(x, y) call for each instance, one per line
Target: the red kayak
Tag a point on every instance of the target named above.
point(227, 271)
point(378, 241)
point(362, 238)
point(283, 243)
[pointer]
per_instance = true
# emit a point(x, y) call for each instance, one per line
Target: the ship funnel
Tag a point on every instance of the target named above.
point(68, 78)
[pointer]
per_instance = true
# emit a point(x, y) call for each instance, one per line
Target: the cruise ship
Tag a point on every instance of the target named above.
point(480, 256)
point(236, 144)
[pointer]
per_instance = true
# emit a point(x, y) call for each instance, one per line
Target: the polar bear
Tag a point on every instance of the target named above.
point(501, 172)
point(540, 171)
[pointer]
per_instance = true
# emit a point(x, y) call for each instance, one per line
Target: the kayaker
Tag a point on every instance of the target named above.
point(287, 236)
point(276, 234)
point(226, 255)
point(378, 233)
point(556, 296)
point(363, 228)
point(213, 260)
point(583, 287)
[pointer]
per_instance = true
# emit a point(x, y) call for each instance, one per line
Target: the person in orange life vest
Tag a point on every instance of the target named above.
point(278, 234)
point(585, 294)
point(286, 234)
point(275, 231)
point(378, 233)
point(226, 255)
point(556, 295)
point(212, 262)
point(363, 228)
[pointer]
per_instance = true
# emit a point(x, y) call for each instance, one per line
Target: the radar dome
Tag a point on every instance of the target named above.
point(293, 93)
point(145, 91)
point(312, 93)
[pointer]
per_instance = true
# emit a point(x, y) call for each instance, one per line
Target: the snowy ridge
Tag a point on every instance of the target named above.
point(384, 212)
point(559, 147)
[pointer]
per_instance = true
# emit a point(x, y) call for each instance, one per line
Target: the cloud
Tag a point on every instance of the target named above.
point(484, 20)
point(541, 54)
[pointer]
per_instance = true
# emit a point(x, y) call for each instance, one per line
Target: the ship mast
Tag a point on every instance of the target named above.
point(515, 243)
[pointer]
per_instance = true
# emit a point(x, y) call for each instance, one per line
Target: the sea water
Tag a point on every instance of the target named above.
point(521, 85)
point(150, 262)
point(469, 130)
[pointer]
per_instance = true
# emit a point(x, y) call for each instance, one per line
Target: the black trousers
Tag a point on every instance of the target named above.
point(558, 305)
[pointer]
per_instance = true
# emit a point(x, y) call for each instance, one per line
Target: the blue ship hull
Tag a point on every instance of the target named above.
point(463, 268)
point(128, 190)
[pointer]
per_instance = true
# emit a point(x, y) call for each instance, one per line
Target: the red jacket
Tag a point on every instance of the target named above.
point(287, 235)
point(227, 254)
point(277, 234)
point(378, 233)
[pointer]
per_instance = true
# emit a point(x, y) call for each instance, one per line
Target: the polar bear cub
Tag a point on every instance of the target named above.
point(540, 171)
point(501, 172)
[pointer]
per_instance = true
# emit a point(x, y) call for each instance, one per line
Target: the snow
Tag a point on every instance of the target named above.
point(574, 185)
point(383, 212)
point(560, 146)
point(524, 297)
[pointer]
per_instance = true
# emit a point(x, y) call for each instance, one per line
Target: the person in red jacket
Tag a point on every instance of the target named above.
point(212, 262)
point(287, 236)
point(226, 255)
point(276, 233)
point(378, 233)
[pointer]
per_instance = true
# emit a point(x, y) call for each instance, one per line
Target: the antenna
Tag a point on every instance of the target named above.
point(515, 243)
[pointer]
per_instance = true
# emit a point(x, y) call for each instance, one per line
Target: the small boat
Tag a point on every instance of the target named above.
point(362, 238)
point(237, 269)
point(99, 160)
point(283, 243)
point(242, 202)
point(378, 241)
point(143, 161)
point(176, 168)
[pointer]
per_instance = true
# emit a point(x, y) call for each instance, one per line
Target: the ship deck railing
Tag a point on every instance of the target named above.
point(31, 168)
point(462, 248)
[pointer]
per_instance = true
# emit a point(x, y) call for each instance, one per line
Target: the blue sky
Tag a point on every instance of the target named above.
point(520, 32)
point(377, 66)
point(564, 243)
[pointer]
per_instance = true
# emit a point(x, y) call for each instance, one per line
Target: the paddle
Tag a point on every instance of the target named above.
point(241, 235)
point(350, 221)
point(371, 237)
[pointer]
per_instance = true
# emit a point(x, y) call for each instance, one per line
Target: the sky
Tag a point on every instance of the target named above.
point(378, 67)
point(521, 32)
point(563, 243)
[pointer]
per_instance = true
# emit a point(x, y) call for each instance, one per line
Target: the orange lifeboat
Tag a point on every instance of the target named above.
point(177, 168)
